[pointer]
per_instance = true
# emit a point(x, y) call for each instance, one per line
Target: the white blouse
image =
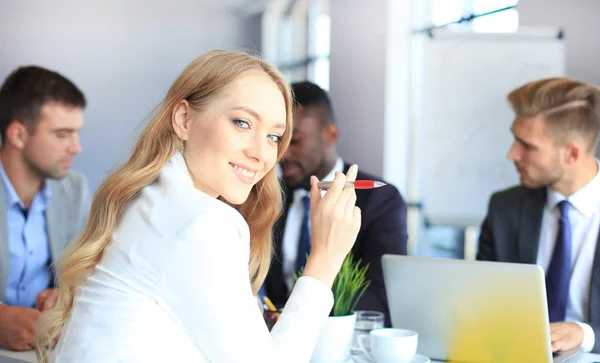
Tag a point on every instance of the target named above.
point(173, 286)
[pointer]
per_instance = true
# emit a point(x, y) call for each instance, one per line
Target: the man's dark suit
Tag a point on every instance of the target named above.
point(383, 231)
point(511, 233)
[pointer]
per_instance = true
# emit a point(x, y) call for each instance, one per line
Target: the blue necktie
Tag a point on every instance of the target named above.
point(558, 275)
point(262, 292)
point(304, 241)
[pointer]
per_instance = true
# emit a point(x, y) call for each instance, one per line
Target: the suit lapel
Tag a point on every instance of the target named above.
point(55, 223)
point(279, 226)
point(530, 224)
point(275, 283)
point(4, 259)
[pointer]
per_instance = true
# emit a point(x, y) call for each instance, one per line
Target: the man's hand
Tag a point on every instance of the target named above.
point(565, 336)
point(46, 299)
point(17, 327)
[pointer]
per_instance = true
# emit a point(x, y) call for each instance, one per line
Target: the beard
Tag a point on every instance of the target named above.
point(543, 177)
point(304, 182)
point(54, 171)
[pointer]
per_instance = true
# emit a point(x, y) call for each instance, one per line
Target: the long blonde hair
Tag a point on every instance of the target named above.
point(200, 83)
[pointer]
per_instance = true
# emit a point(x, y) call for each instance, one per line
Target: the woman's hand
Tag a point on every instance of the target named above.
point(335, 222)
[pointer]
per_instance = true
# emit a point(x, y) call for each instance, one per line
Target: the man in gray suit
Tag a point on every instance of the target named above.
point(553, 218)
point(43, 205)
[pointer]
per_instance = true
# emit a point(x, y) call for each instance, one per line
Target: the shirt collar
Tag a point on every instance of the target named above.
point(585, 200)
point(339, 166)
point(10, 194)
point(44, 193)
point(13, 198)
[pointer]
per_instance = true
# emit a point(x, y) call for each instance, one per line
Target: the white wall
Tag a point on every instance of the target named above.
point(124, 55)
point(357, 83)
point(370, 91)
point(370, 56)
point(579, 19)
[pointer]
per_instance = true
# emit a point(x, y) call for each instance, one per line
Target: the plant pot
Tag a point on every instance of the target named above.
point(335, 339)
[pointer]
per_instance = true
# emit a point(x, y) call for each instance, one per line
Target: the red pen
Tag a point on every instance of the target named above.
point(358, 184)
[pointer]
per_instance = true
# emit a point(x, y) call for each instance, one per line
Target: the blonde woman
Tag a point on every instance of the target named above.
point(179, 237)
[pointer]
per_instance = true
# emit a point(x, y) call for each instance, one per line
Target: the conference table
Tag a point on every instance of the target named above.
point(29, 357)
point(7, 356)
point(585, 358)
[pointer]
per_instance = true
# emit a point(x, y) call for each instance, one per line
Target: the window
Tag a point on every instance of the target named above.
point(502, 22)
point(446, 11)
point(319, 41)
point(303, 47)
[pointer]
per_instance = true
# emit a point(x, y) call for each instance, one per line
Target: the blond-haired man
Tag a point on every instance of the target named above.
point(552, 219)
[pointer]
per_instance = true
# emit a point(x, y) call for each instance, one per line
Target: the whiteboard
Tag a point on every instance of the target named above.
point(465, 120)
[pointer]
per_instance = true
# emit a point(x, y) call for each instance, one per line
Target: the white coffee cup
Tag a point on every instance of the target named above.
point(390, 345)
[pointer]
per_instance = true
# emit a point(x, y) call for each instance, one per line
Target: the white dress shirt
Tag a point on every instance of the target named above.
point(584, 217)
point(293, 224)
point(173, 286)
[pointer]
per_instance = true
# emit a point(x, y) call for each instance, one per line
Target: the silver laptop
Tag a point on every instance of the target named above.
point(471, 311)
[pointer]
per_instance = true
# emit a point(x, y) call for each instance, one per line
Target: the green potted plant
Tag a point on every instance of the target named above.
point(335, 339)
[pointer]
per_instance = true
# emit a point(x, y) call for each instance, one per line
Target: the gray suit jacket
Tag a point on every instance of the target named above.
point(66, 215)
point(511, 233)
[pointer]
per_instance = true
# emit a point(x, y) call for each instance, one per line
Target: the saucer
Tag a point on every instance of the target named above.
point(418, 358)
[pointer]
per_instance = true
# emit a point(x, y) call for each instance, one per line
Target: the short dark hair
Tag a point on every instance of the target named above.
point(309, 94)
point(27, 89)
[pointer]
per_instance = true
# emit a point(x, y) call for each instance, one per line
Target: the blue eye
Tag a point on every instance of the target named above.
point(275, 138)
point(243, 124)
